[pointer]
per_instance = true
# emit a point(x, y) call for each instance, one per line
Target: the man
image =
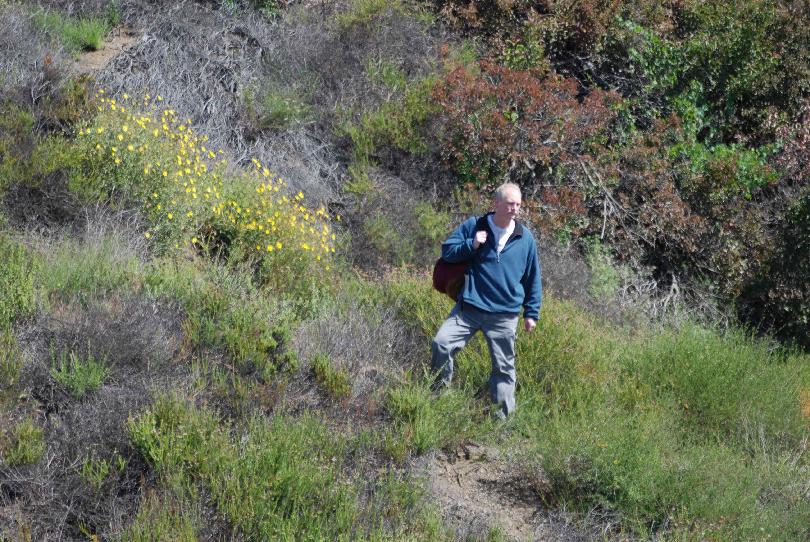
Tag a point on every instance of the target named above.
point(504, 275)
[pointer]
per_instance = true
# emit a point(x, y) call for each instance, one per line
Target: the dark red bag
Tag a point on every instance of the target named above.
point(448, 278)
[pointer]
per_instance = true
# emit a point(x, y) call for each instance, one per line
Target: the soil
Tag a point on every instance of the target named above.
point(117, 41)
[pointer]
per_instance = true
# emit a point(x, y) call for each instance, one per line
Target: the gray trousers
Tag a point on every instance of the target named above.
point(499, 330)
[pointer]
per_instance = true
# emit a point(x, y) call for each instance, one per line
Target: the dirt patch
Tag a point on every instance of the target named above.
point(478, 493)
point(92, 61)
point(483, 496)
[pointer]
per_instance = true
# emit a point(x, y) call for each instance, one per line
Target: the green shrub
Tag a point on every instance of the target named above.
point(78, 376)
point(386, 73)
point(93, 269)
point(77, 34)
point(10, 359)
point(16, 140)
point(396, 123)
point(276, 109)
point(732, 62)
point(433, 224)
point(386, 240)
point(24, 444)
point(423, 422)
point(17, 296)
point(95, 470)
point(135, 153)
point(224, 308)
point(334, 381)
point(162, 518)
point(605, 279)
point(281, 480)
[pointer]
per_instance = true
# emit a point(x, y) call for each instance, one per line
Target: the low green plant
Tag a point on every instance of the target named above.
point(281, 477)
point(95, 471)
point(77, 375)
point(90, 270)
point(24, 444)
point(386, 241)
point(386, 73)
point(363, 12)
point(17, 295)
point(276, 108)
point(162, 517)
point(433, 224)
point(334, 381)
point(396, 123)
point(224, 308)
point(77, 34)
point(10, 359)
point(605, 278)
point(424, 422)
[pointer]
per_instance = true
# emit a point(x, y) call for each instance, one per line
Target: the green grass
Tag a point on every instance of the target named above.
point(79, 376)
point(162, 517)
point(10, 360)
point(23, 444)
point(685, 430)
point(90, 270)
point(17, 296)
point(224, 308)
point(273, 479)
point(334, 381)
point(77, 34)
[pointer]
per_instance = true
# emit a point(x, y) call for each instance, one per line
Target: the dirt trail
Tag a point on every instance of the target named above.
point(117, 41)
point(478, 492)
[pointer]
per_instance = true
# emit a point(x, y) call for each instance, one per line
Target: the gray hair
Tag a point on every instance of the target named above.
point(501, 191)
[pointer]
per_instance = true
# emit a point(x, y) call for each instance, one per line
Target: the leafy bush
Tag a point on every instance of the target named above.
point(78, 376)
point(17, 299)
point(778, 300)
point(133, 152)
point(77, 34)
point(735, 63)
point(23, 444)
point(333, 381)
point(225, 309)
point(505, 123)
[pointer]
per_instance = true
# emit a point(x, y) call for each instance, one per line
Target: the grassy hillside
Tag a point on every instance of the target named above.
point(215, 313)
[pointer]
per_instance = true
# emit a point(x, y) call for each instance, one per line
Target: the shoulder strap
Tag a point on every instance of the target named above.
point(481, 223)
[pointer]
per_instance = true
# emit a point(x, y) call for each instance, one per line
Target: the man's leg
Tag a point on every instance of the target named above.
point(500, 334)
point(451, 337)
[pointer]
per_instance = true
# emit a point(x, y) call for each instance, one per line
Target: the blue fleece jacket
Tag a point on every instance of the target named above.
point(498, 282)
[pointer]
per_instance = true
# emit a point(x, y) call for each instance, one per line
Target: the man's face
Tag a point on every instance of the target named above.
point(509, 205)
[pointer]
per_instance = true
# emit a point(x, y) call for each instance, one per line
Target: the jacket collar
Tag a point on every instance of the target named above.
point(518, 226)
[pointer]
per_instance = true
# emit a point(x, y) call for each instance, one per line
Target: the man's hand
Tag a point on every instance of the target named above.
point(529, 324)
point(480, 239)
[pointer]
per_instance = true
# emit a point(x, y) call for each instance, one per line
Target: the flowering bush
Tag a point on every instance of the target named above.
point(137, 151)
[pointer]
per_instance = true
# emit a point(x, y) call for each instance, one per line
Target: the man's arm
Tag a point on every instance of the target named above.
point(533, 289)
point(460, 246)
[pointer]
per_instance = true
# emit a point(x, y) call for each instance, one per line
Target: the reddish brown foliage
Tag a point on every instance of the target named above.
point(794, 158)
point(508, 123)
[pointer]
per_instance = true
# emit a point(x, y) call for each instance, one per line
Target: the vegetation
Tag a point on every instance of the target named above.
point(207, 350)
